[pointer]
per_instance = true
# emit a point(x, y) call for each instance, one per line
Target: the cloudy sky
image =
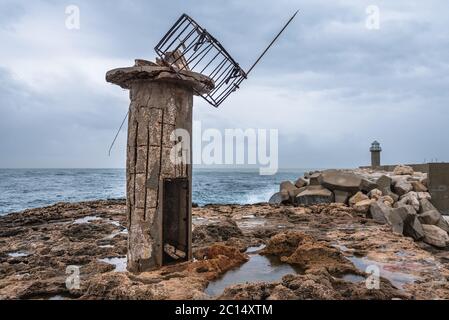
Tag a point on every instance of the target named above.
point(330, 85)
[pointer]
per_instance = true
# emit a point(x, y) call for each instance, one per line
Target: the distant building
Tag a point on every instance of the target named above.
point(375, 154)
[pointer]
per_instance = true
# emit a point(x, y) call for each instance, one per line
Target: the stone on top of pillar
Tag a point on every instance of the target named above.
point(147, 70)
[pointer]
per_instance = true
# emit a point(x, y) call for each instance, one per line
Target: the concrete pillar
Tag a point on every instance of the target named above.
point(375, 154)
point(156, 186)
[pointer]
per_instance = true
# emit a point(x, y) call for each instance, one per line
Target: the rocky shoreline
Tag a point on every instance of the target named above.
point(327, 248)
point(399, 198)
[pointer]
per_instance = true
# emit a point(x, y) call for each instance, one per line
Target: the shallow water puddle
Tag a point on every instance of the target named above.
point(250, 223)
point(119, 263)
point(115, 223)
point(116, 233)
point(257, 269)
point(387, 271)
point(86, 219)
point(255, 249)
point(353, 278)
point(57, 297)
point(18, 254)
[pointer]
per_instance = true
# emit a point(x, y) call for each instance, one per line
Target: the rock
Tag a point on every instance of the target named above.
point(413, 227)
point(410, 198)
point(279, 198)
point(337, 180)
point(384, 184)
point(403, 170)
point(393, 196)
point(430, 217)
point(363, 206)
point(435, 236)
point(341, 196)
point(434, 217)
point(314, 179)
point(216, 232)
point(378, 211)
point(423, 195)
point(388, 200)
point(404, 221)
point(314, 195)
point(287, 186)
point(395, 178)
point(419, 187)
point(359, 196)
point(395, 218)
point(368, 185)
point(425, 182)
point(402, 187)
point(375, 194)
point(426, 205)
point(443, 224)
point(301, 182)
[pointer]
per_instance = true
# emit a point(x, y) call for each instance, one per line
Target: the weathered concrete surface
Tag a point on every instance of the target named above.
point(332, 243)
point(161, 102)
point(125, 77)
point(314, 195)
point(337, 180)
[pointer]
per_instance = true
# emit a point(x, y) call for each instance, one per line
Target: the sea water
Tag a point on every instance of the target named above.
point(22, 189)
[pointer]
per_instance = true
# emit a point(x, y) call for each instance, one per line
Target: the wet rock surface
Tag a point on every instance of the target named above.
point(330, 248)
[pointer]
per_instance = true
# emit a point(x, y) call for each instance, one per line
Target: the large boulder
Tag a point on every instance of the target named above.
point(368, 185)
point(384, 184)
point(443, 224)
point(287, 186)
point(314, 195)
point(430, 217)
point(363, 206)
point(426, 205)
point(378, 211)
point(389, 201)
point(338, 180)
point(359, 196)
point(435, 236)
point(341, 196)
point(413, 227)
point(291, 189)
point(403, 170)
point(434, 217)
point(279, 198)
point(411, 199)
point(424, 195)
point(314, 179)
point(395, 218)
point(419, 186)
point(402, 187)
point(293, 193)
point(375, 194)
point(301, 182)
point(404, 221)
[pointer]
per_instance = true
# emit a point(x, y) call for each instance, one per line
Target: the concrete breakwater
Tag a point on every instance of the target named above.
point(399, 198)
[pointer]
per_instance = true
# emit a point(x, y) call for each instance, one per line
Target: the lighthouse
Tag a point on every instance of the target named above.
point(375, 154)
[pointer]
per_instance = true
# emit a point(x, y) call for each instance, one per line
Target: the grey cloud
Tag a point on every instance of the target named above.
point(389, 84)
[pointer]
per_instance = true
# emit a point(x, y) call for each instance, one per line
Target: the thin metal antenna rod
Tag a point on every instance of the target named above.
point(120, 129)
point(272, 42)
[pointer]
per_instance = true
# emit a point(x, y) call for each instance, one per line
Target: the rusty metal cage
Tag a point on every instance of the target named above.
point(188, 46)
